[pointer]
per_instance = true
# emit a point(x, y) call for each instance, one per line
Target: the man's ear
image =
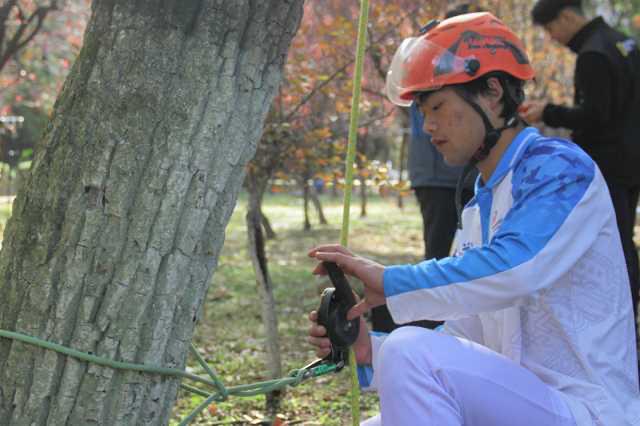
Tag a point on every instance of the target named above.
point(495, 94)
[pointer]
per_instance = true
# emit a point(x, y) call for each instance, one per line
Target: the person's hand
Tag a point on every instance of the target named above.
point(367, 271)
point(318, 338)
point(532, 111)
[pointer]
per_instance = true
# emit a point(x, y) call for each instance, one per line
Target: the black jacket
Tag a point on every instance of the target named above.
point(605, 118)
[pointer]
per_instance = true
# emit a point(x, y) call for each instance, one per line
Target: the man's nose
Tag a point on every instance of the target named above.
point(429, 126)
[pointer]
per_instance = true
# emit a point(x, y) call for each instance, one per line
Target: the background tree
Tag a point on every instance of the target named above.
point(20, 21)
point(113, 241)
point(272, 147)
point(38, 42)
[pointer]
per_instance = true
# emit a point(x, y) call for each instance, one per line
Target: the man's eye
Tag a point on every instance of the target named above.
point(437, 106)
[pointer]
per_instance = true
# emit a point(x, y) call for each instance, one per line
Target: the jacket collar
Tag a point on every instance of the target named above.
point(578, 40)
point(509, 158)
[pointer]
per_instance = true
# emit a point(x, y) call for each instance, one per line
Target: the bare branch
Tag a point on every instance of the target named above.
point(4, 18)
point(343, 68)
point(19, 39)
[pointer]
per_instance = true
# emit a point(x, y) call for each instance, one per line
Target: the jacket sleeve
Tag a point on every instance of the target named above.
point(560, 204)
point(595, 109)
point(366, 376)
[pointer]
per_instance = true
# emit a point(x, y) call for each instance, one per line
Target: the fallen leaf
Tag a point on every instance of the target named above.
point(213, 409)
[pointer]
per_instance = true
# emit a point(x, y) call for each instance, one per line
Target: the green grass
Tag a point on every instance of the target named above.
point(230, 334)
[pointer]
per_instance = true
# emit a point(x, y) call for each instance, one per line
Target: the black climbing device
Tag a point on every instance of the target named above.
point(334, 304)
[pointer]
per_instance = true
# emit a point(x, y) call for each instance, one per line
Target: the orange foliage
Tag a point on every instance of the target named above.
point(315, 97)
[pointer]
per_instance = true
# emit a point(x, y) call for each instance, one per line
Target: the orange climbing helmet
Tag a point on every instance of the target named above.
point(454, 51)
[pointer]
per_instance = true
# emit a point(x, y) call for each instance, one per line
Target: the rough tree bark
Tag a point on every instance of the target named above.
point(114, 239)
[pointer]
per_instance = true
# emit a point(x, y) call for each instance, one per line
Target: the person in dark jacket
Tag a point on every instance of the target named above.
point(605, 118)
point(434, 184)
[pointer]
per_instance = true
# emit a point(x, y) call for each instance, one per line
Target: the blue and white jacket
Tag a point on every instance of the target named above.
point(539, 276)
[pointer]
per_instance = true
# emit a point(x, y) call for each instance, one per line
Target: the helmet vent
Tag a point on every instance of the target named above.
point(472, 66)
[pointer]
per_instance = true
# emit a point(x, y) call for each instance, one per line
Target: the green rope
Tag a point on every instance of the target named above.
point(217, 391)
point(351, 155)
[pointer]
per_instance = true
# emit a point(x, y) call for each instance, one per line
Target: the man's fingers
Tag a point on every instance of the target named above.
point(317, 331)
point(322, 353)
point(345, 262)
point(358, 309)
point(329, 248)
point(319, 342)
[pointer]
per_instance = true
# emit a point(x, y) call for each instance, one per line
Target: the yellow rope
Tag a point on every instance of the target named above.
point(351, 155)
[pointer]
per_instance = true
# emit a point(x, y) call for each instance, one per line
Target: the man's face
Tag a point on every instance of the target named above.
point(560, 29)
point(456, 129)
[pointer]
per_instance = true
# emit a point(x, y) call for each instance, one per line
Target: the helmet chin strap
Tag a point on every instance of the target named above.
point(492, 135)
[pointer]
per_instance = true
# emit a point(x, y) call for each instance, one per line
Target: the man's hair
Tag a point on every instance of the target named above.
point(513, 90)
point(462, 9)
point(546, 11)
point(512, 97)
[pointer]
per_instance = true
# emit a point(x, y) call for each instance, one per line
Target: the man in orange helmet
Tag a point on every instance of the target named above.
point(538, 317)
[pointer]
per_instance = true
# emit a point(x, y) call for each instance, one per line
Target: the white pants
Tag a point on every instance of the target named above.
point(429, 378)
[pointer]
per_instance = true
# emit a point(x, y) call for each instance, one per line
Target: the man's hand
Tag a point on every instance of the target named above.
point(367, 271)
point(532, 111)
point(318, 338)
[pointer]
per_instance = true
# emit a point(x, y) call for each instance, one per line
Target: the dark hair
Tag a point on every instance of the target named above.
point(512, 87)
point(462, 9)
point(512, 97)
point(546, 11)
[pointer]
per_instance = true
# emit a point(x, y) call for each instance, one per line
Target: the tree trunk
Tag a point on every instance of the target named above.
point(363, 196)
point(363, 150)
point(117, 231)
point(257, 252)
point(403, 155)
point(305, 203)
point(313, 194)
point(269, 233)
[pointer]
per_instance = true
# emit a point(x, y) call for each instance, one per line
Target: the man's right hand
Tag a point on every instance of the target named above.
point(318, 338)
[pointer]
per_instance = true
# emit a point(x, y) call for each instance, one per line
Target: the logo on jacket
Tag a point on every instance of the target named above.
point(463, 247)
point(626, 47)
